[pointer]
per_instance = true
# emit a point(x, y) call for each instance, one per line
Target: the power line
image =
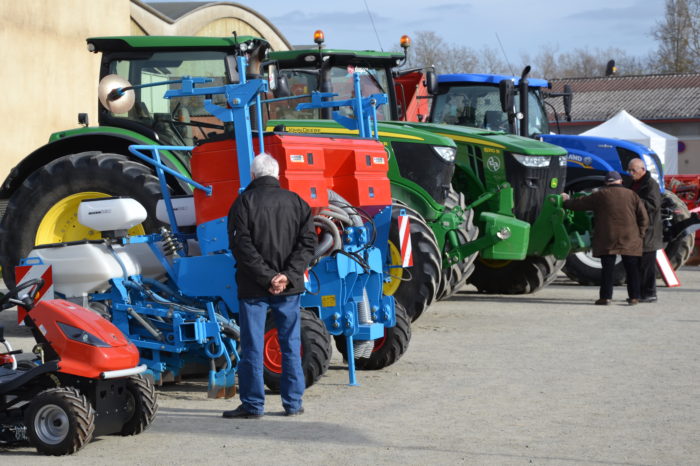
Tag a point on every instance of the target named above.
point(373, 26)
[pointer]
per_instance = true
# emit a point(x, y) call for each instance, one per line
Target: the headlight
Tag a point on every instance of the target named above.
point(81, 335)
point(563, 159)
point(533, 160)
point(447, 153)
point(652, 168)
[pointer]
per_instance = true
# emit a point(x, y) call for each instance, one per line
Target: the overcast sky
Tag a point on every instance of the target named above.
point(522, 26)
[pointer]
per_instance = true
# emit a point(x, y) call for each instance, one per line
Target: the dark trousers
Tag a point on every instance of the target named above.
point(647, 277)
point(631, 264)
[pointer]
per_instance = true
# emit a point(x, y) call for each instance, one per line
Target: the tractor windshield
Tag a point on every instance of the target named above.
point(178, 121)
point(479, 106)
point(340, 80)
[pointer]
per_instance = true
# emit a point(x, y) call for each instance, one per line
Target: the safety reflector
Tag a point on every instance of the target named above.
point(24, 273)
point(667, 272)
point(405, 240)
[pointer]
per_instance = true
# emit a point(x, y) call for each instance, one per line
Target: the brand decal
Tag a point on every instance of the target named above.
point(297, 158)
point(580, 159)
point(378, 160)
point(493, 163)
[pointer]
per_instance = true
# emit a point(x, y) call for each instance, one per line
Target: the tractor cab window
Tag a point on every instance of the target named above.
point(479, 106)
point(300, 82)
point(340, 78)
point(177, 121)
point(372, 81)
point(475, 106)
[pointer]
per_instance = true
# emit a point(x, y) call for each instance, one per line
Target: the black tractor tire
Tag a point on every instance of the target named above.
point(316, 350)
point(387, 350)
point(585, 269)
point(455, 276)
point(60, 421)
point(142, 404)
point(679, 249)
point(419, 284)
point(110, 174)
point(515, 277)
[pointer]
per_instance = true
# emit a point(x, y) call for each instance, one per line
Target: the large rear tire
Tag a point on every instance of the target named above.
point(679, 249)
point(387, 350)
point(515, 277)
point(414, 288)
point(315, 351)
point(43, 210)
point(60, 421)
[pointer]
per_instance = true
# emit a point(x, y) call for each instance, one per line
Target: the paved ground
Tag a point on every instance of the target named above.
point(541, 379)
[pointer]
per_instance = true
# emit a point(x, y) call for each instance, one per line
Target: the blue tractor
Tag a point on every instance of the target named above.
point(517, 105)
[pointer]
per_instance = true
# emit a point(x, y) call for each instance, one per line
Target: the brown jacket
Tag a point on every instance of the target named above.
point(620, 220)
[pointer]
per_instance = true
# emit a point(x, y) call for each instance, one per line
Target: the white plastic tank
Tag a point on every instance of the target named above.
point(87, 268)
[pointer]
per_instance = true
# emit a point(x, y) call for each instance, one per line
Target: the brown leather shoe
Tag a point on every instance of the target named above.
point(602, 302)
point(632, 301)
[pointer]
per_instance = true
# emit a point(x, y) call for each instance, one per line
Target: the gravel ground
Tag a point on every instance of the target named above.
point(539, 379)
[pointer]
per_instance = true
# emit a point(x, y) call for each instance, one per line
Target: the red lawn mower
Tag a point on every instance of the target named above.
point(85, 380)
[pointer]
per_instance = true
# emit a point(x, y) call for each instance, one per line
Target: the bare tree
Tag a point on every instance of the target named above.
point(678, 35)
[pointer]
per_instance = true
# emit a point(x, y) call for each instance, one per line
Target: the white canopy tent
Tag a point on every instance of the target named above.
point(625, 126)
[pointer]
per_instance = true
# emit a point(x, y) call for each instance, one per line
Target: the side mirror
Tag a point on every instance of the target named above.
point(568, 97)
point(431, 83)
point(116, 94)
point(282, 87)
point(506, 90)
point(232, 69)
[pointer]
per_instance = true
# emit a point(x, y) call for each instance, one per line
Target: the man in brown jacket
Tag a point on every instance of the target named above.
point(620, 223)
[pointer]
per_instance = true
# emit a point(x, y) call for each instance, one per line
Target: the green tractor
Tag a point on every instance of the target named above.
point(508, 185)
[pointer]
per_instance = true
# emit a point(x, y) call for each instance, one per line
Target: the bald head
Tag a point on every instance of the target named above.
point(636, 168)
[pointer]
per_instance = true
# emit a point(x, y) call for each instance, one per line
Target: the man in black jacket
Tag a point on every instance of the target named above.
point(648, 190)
point(272, 237)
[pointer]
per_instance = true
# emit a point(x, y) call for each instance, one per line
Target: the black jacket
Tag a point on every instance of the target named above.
point(648, 191)
point(270, 231)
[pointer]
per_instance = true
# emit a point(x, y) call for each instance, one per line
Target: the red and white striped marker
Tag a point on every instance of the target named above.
point(667, 272)
point(24, 273)
point(405, 240)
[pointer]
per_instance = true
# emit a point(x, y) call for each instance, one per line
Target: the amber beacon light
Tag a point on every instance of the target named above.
point(318, 37)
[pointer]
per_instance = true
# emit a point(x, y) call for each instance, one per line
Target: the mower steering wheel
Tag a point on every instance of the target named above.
point(12, 298)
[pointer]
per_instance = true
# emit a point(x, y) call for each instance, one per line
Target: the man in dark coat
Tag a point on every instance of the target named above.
point(620, 222)
point(648, 191)
point(272, 237)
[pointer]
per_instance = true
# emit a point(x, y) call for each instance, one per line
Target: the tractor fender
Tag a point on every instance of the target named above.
point(100, 140)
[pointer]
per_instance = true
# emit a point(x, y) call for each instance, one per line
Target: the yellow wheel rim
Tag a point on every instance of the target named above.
point(395, 274)
point(494, 263)
point(60, 224)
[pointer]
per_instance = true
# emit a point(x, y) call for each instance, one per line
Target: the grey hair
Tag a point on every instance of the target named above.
point(264, 165)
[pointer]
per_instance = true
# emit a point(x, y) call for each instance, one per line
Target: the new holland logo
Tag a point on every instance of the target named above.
point(493, 163)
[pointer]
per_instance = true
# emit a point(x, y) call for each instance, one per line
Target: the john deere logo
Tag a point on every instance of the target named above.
point(493, 163)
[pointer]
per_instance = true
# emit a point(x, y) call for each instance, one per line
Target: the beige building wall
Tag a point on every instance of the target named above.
point(47, 75)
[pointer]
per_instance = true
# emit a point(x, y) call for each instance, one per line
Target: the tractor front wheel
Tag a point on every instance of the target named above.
point(44, 208)
point(315, 350)
point(515, 277)
point(60, 421)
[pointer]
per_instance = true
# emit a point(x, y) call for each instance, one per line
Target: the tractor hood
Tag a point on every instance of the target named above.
point(387, 130)
point(497, 139)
